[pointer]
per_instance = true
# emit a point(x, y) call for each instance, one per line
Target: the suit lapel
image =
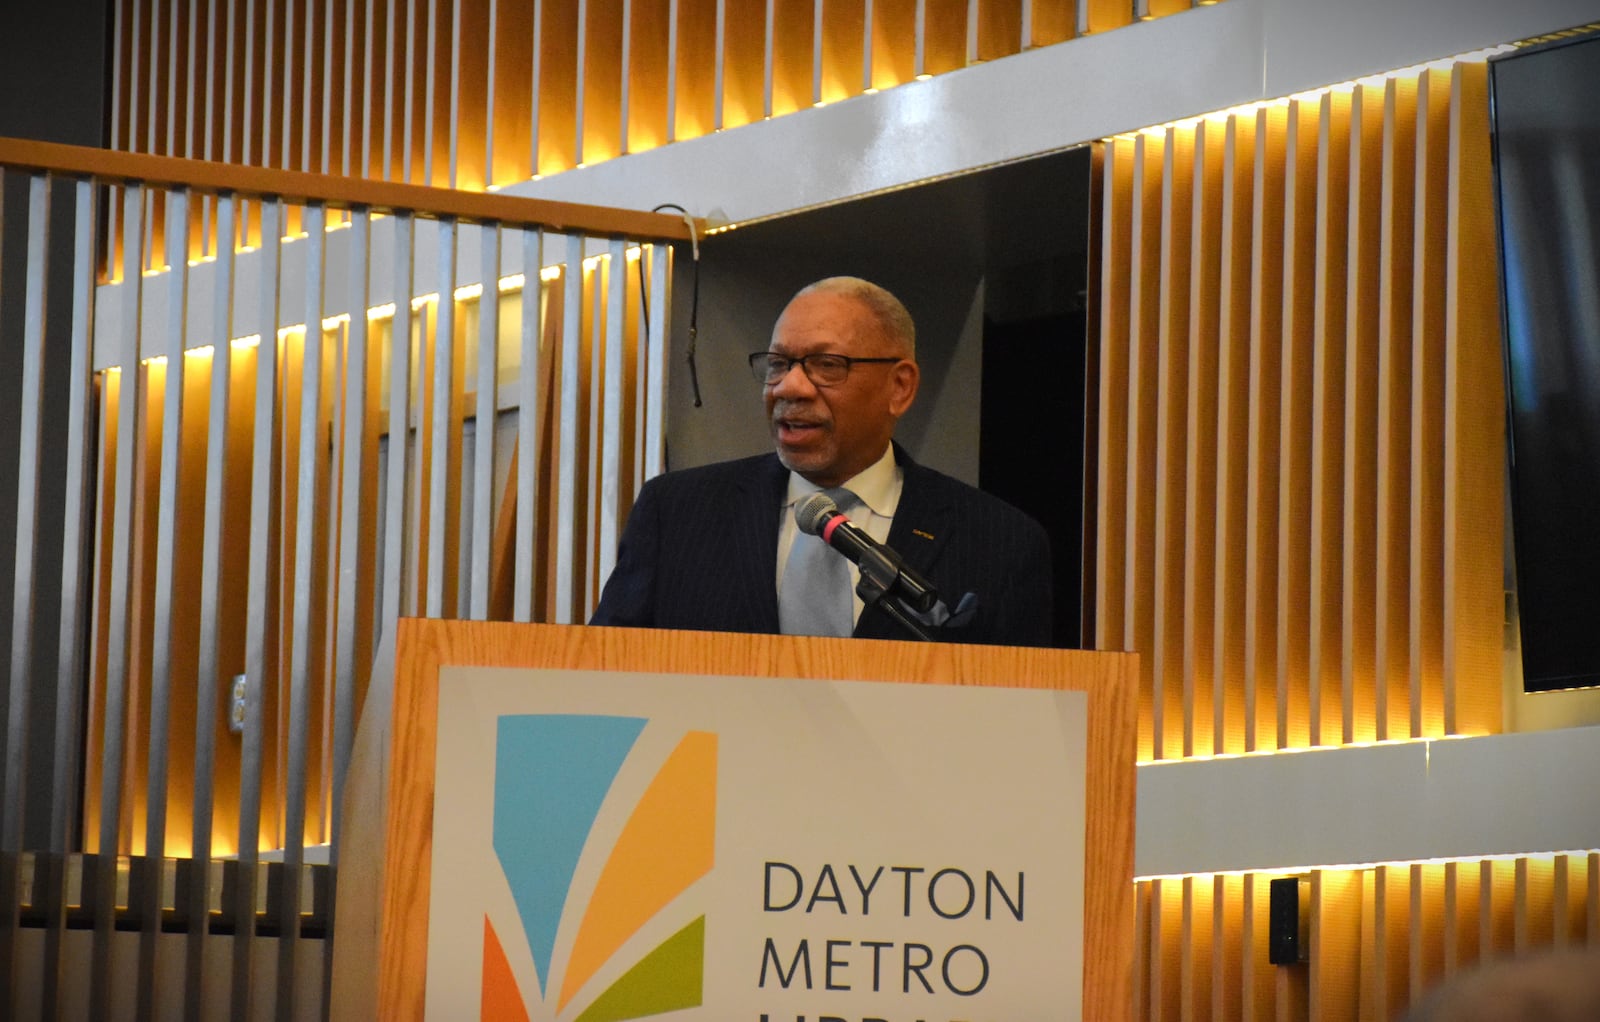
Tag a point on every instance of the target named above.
point(756, 543)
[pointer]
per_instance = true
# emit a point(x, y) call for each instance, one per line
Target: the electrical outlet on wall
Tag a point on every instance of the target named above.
point(236, 704)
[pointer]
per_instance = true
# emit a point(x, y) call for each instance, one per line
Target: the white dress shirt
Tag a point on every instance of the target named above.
point(877, 486)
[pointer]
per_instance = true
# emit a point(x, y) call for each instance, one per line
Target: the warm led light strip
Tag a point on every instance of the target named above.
point(509, 284)
point(1295, 750)
point(1350, 866)
point(1246, 109)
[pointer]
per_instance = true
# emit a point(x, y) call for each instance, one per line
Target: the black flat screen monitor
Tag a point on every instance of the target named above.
point(1546, 111)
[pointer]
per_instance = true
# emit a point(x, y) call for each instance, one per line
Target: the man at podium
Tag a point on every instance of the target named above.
point(749, 546)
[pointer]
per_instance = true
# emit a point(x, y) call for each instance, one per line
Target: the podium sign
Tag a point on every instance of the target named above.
point(573, 824)
point(611, 845)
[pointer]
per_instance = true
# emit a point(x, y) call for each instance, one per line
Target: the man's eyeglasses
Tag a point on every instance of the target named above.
point(824, 369)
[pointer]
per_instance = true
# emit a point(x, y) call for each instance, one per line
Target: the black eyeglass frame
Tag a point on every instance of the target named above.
point(760, 364)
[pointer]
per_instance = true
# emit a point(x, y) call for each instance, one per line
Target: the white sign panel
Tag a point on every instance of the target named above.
point(611, 846)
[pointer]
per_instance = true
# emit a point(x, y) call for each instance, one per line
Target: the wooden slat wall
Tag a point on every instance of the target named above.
point(601, 428)
point(468, 93)
point(1299, 493)
point(1381, 937)
point(267, 508)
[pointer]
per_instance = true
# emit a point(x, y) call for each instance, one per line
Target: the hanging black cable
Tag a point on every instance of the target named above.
point(694, 301)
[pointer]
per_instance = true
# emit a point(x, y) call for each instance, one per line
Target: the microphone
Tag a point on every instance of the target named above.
point(818, 515)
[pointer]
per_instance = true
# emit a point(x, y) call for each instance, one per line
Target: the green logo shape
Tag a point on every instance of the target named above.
point(667, 979)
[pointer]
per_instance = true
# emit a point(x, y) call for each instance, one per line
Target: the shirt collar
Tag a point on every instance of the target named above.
point(876, 485)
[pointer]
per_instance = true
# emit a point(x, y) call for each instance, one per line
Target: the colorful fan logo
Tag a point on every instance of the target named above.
point(552, 777)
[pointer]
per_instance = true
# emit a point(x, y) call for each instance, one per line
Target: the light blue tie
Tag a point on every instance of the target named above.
point(815, 598)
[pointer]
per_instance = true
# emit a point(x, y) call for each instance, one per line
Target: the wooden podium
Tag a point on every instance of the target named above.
point(386, 860)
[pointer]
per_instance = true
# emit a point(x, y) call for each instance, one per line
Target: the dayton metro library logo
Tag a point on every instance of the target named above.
point(553, 776)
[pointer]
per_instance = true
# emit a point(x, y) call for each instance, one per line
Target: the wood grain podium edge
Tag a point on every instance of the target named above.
point(424, 646)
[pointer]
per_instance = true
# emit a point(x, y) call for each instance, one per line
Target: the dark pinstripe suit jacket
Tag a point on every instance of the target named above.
point(700, 552)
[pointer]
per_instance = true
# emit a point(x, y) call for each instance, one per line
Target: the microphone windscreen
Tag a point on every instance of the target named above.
point(809, 513)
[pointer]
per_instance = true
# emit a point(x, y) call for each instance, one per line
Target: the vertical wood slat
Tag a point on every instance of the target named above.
point(117, 673)
point(323, 662)
point(1425, 955)
point(1228, 598)
point(1199, 954)
point(1261, 548)
point(944, 36)
point(442, 389)
point(1170, 495)
point(1430, 243)
point(613, 420)
point(1385, 995)
point(273, 86)
point(636, 336)
point(434, 82)
point(19, 679)
point(1258, 978)
point(1497, 908)
point(308, 463)
point(161, 672)
point(1144, 944)
point(196, 899)
point(1117, 282)
point(530, 415)
point(352, 507)
point(1327, 418)
point(68, 732)
point(1166, 948)
point(324, 102)
point(1394, 710)
point(356, 106)
point(841, 52)
point(565, 568)
point(1535, 894)
point(420, 418)
point(1357, 624)
point(1592, 906)
point(471, 55)
point(262, 615)
point(396, 522)
point(444, 86)
point(580, 58)
point(1140, 519)
point(691, 84)
point(1474, 446)
point(404, 20)
point(1336, 916)
point(1201, 702)
point(483, 432)
point(591, 369)
point(29, 398)
point(556, 126)
point(1294, 587)
point(1229, 947)
point(655, 435)
point(601, 123)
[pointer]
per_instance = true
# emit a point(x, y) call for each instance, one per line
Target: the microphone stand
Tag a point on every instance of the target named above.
point(878, 577)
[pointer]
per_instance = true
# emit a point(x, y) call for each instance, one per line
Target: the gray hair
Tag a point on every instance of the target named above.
point(892, 317)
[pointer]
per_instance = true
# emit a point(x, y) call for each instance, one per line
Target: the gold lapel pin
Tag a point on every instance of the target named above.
point(924, 535)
